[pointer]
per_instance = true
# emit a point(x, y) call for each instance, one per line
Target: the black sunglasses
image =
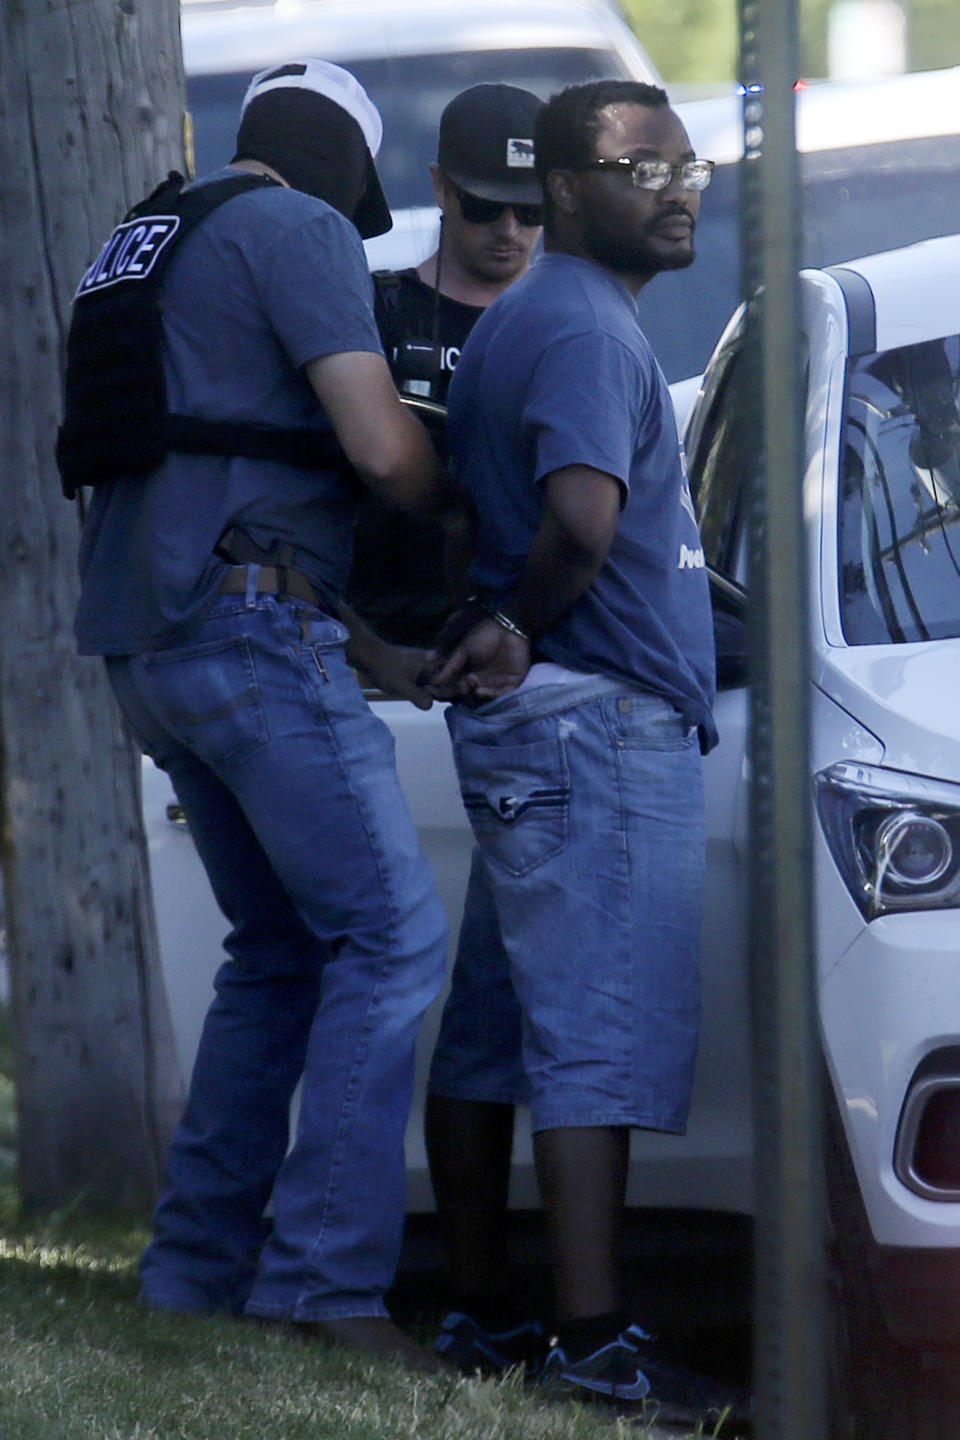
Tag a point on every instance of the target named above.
point(477, 211)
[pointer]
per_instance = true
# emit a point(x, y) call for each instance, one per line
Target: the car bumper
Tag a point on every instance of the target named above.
point(902, 971)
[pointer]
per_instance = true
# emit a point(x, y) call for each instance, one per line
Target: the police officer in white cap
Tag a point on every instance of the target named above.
point(212, 584)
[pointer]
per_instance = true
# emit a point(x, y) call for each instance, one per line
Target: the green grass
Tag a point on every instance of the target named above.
point(80, 1361)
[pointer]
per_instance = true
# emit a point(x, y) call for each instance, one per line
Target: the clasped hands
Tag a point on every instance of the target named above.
point(474, 658)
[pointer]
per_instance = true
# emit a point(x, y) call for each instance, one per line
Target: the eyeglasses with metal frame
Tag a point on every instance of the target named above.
point(657, 174)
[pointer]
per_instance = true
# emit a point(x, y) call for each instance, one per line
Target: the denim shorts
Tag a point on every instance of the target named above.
point(576, 983)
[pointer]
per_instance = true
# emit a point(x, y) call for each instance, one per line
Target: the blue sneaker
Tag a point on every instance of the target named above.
point(630, 1375)
point(465, 1343)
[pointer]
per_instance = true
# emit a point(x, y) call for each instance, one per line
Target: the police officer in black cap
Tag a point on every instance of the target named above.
point(489, 199)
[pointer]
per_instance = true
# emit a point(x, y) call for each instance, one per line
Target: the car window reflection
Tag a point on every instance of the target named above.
point(899, 535)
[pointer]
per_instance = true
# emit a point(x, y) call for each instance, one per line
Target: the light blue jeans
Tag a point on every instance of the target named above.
point(291, 793)
point(576, 984)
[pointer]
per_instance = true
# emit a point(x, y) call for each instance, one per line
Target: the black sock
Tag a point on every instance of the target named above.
point(494, 1312)
point(581, 1337)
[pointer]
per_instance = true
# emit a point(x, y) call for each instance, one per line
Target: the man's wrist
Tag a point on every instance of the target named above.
point(506, 622)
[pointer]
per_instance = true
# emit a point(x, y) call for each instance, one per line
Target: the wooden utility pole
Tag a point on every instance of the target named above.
point(91, 104)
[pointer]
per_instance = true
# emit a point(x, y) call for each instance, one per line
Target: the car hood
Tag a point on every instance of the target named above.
point(908, 696)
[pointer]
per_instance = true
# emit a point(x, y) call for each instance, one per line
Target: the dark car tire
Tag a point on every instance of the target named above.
point(882, 1387)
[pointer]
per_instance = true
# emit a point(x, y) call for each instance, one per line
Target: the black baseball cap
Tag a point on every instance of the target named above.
point(485, 143)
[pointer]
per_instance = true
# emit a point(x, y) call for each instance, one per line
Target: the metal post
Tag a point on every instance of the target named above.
point(789, 1244)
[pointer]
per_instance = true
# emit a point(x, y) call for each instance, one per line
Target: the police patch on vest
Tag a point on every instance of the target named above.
point(519, 154)
point(117, 424)
point(131, 252)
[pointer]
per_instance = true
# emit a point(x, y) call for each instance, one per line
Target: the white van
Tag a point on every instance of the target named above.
point(878, 158)
point(879, 166)
point(901, 192)
point(412, 56)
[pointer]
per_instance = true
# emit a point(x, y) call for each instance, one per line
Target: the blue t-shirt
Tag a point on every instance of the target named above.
point(557, 372)
point(273, 278)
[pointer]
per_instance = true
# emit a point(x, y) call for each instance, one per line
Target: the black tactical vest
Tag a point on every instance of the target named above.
point(116, 422)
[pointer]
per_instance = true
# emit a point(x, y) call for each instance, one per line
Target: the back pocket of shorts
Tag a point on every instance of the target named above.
point(516, 798)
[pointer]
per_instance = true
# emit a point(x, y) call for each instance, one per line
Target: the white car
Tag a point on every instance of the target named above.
point(882, 504)
point(412, 56)
point(881, 497)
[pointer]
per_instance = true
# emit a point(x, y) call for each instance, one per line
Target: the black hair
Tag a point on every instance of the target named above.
point(567, 127)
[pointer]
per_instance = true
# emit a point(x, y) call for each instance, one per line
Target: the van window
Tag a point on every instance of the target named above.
point(855, 202)
point(410, 92)
point(899, 510)
point(878, 197)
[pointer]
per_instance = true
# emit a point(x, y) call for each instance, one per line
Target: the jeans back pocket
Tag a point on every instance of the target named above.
point(517, 798)
point(208, 696)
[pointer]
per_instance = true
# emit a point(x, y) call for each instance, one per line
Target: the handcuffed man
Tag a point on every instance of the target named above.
point(584, 682)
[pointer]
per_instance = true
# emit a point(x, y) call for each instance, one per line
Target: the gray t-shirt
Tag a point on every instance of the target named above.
point(273, 278)
point(557, 372)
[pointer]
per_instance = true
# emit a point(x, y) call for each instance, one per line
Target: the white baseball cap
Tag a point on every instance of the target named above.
point(323, 78)
point(338, 87)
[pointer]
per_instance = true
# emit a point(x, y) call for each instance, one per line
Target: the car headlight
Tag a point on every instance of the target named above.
point(895, 837)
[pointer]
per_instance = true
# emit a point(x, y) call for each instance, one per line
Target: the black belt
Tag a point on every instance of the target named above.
point(271, 580)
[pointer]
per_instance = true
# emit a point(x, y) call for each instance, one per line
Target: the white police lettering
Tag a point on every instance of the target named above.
point(449, 357)
point(519, 154)
point(131, 252)
point(691, 559)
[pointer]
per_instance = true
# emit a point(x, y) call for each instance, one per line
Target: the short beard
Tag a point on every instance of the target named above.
point(631, 256)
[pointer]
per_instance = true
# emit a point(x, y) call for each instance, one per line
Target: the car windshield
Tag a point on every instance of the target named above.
point(410, 91)
point(899, 511)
